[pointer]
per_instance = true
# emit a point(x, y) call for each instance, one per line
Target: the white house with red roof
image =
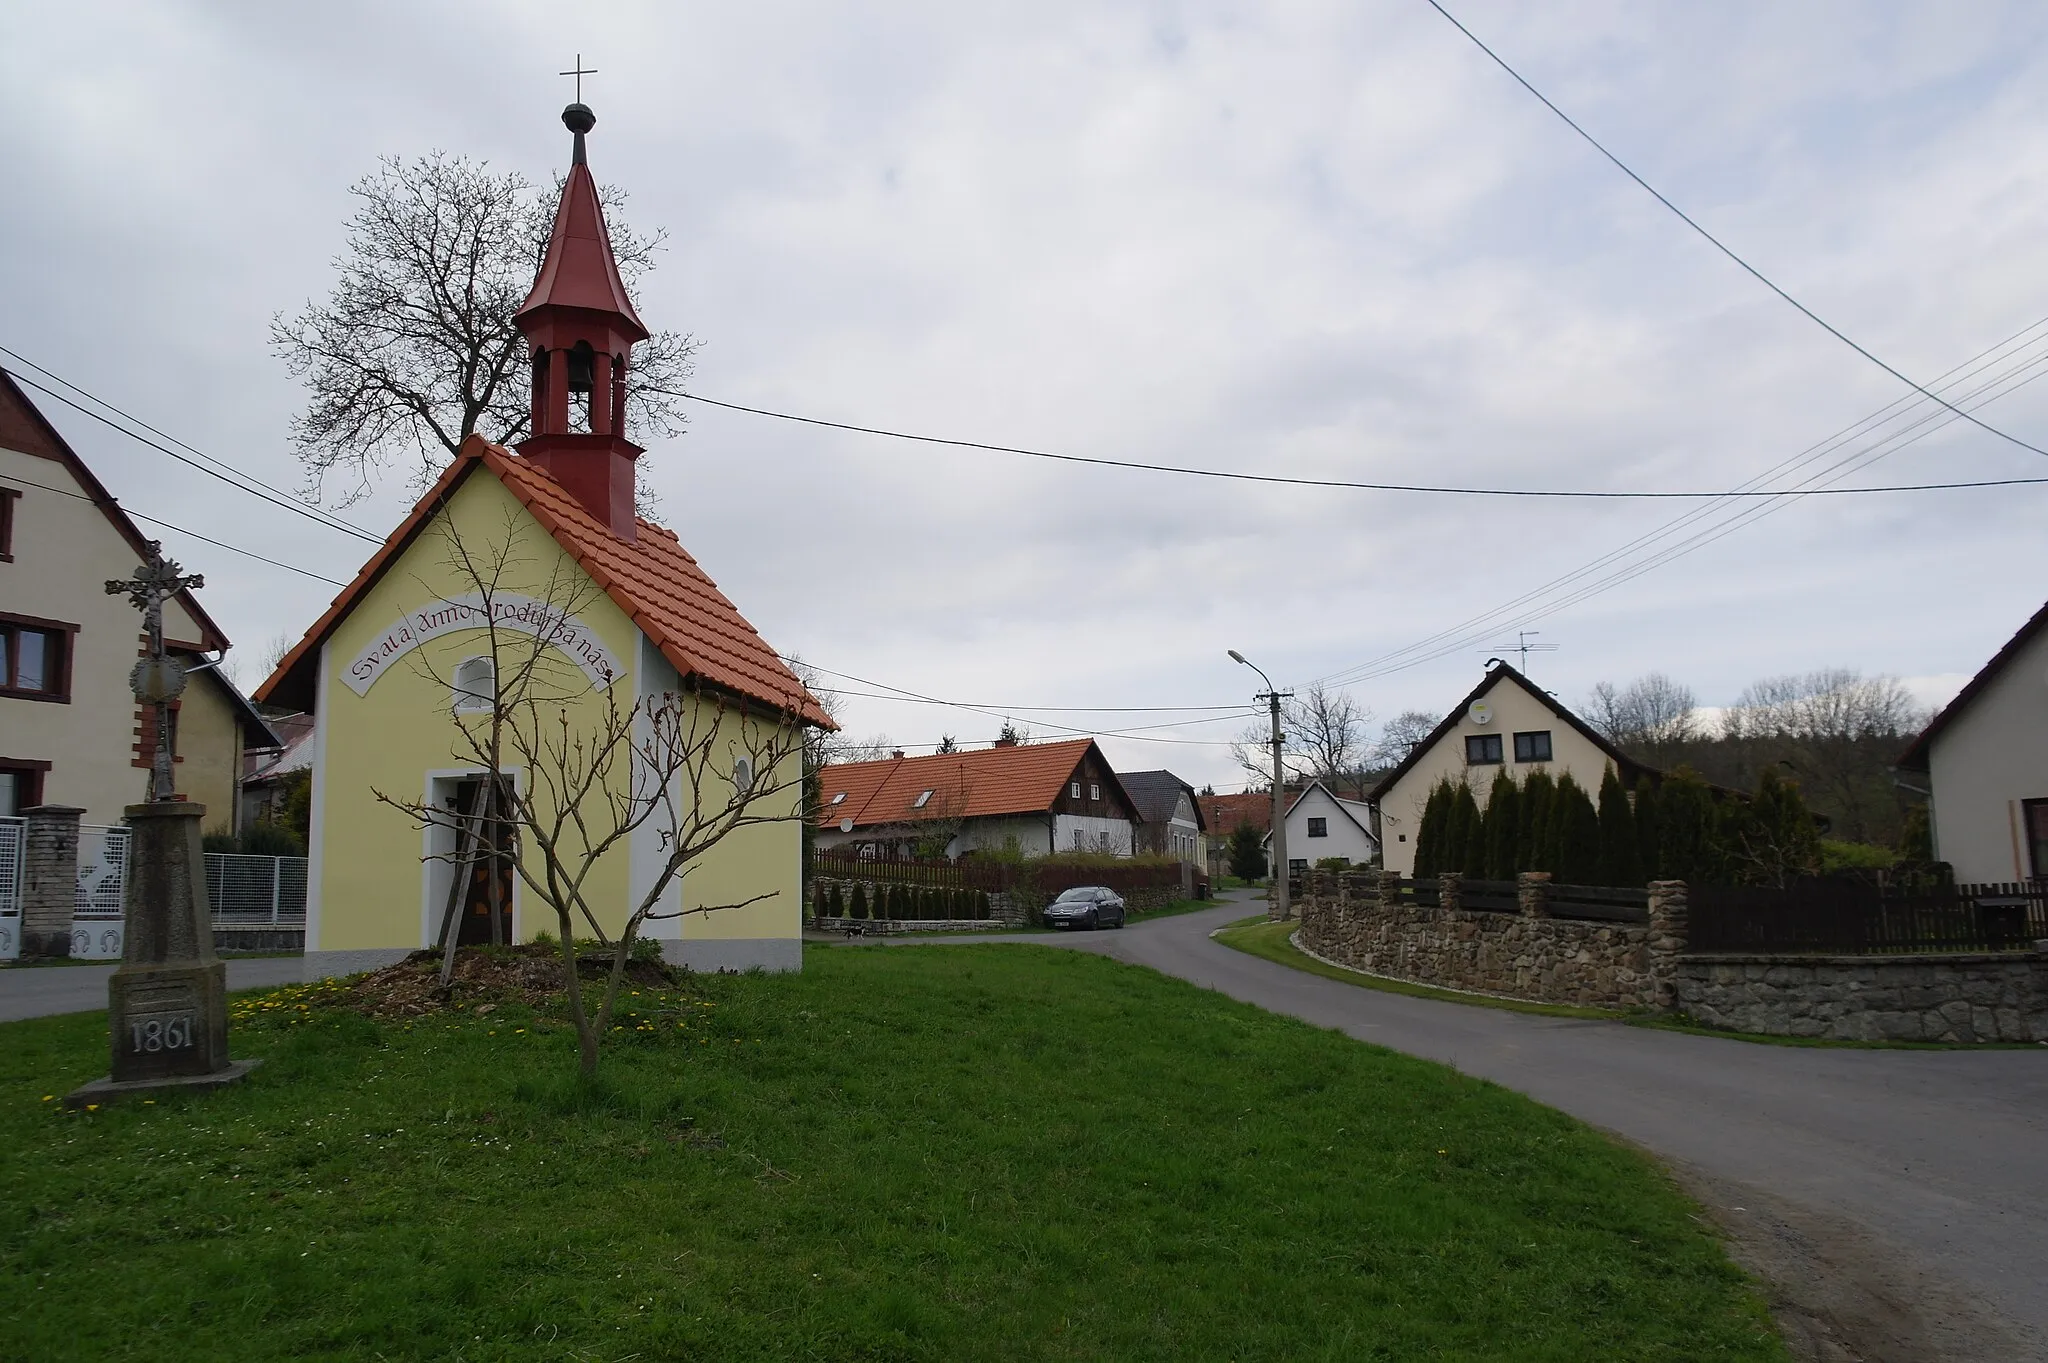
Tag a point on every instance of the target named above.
point(541, 543)
point(1041, 797)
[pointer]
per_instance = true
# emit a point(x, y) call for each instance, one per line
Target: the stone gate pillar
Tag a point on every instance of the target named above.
point(1668, 939)
point(1450, 891)
point(1532, 894)
point(49, 881)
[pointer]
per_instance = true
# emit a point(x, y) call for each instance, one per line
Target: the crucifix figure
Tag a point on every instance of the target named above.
point(579, 71)
point(157, 680)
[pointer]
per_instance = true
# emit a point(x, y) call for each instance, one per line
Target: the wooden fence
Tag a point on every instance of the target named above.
point(1611, 903)
point(1019, 888)
point(1851, 917)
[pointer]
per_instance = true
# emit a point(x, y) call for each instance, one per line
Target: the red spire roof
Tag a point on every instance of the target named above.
point(580, 271)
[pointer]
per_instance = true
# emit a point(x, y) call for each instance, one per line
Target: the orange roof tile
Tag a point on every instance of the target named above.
point(652, 578)
point(1022, 779)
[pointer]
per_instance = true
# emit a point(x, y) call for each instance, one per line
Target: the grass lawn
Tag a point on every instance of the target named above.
point(965, 1152)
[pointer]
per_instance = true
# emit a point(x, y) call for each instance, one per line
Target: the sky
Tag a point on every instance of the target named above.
point(1325, 240)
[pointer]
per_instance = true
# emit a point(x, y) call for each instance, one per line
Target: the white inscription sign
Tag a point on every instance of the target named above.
point(568, 633)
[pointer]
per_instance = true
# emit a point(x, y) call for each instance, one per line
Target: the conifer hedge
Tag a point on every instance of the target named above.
point(1676, 829)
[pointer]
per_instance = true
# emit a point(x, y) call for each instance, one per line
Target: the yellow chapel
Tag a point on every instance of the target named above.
point(528, 571)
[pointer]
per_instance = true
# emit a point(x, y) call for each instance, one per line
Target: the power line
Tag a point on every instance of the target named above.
point(1717, 243)
point(128, 416)
point(295, 507)
point(2025, 371)
point(1359, 485)
point(218, 544)
point(898, 693)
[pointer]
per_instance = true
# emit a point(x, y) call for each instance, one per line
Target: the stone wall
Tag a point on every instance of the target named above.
point(1527, 954)
point(1357, 920)
point(1992, 996)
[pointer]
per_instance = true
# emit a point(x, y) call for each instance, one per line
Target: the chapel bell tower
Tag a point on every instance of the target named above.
point(581, 328)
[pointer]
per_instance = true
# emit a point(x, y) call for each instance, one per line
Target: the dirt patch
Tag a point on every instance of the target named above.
point(1842, 1294)
point(485, 978)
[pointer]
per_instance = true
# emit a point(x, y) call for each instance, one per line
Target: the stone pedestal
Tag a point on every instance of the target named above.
point(49, 881)
point(167, 1004)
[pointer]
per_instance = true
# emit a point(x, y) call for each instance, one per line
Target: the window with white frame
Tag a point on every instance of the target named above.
point(476, 685)
point(1094, 791)
point(1074, 790)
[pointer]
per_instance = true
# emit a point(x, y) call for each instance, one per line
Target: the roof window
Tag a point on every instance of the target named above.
point(840, 798)
point(919, 802)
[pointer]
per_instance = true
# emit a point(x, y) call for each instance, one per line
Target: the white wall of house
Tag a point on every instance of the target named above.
point(1088, 833)
point(65, 551)
point(1990, 760)
point(1321, 825)
point(1514, 711)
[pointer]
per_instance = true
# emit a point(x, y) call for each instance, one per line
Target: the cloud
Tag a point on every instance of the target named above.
point(1316, 238)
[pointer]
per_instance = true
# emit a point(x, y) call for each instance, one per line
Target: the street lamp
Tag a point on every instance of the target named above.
point(1272, 696)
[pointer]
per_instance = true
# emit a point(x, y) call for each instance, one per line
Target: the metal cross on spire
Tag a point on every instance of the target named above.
point(157, 680)
point(579, 71)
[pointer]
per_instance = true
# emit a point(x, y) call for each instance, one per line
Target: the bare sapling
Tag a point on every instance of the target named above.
point(573, 767)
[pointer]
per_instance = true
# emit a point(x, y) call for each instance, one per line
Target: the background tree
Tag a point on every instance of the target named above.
point(1573, 840)
point(1328, 729)
point(1685, 830)
point(1653, 718)
point(1430, 858)
point(1649, 840)
point(1532, 830)
point(1326, 740)
point(1247, 855)
point(415, 348)
point(1621, 860)
point(1503, 827)
point(1837, 731)
point(1400, 735)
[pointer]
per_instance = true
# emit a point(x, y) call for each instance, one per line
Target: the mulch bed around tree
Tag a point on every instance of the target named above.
point(485, 978)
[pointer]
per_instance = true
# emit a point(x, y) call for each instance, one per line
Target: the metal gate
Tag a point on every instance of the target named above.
point(13, 845)
point(96, 918)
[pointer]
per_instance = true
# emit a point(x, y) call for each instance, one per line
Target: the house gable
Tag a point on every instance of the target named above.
point(1518, 706)
point(1986, 757)
point(25, 431)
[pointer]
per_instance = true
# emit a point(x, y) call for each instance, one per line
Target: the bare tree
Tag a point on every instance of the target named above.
point(1401, 734)
point(572, 771)
point(1837, 731)
point(1326, 738)
point(827, 746)
point(1652, 718)
point(1328, 728)
point(415, 347)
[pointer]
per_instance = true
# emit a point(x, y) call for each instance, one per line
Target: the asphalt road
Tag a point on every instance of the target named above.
point(1934, 1162)
point(37, 991)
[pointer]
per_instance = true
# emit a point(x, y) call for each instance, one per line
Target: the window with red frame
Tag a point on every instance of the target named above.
point(34, 660)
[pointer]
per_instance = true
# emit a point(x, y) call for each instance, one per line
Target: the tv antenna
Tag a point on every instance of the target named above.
point(1523, 646)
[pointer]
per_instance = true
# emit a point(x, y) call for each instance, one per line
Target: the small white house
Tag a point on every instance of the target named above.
point(1321, 824)
point(1986, 759)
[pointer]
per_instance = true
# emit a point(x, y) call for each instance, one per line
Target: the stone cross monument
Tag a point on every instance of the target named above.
point(167, 1003)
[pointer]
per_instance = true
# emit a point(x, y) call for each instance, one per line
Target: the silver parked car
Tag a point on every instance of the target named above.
point(1086, 906)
